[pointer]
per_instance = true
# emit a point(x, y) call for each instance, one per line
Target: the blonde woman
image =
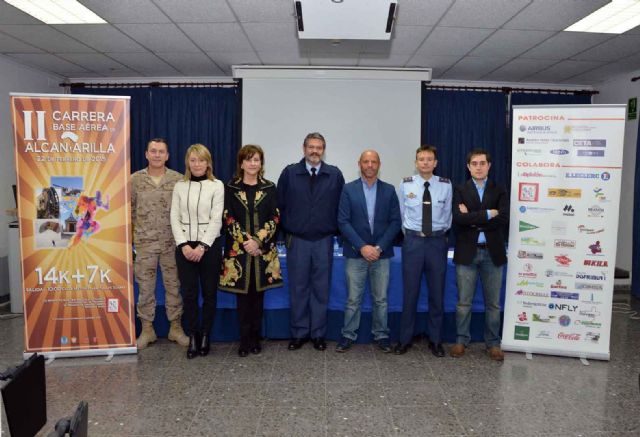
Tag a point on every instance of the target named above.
point(196, 219)
point(251, 264)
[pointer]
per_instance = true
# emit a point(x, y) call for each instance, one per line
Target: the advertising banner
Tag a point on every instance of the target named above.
point(565, 197)
point(72, 165)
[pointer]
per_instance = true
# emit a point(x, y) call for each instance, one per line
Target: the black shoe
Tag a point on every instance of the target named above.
point(242, 352)
point(297, 343)
point(436, 349)
point(194, 345)
point(401, 349)
point(319, 344)
point(256, 349)
point(344, 345)
point(204, 345)
point(384, 345)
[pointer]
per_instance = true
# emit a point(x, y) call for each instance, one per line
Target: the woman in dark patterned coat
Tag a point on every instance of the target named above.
point(250, 264)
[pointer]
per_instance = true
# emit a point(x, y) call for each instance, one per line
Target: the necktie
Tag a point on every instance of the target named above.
point(426, 210)
point(313, 177)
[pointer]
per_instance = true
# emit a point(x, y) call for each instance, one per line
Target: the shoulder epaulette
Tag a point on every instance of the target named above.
point(445, 180)
point(408, 179)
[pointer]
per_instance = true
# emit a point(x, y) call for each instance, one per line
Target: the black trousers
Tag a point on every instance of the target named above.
point(249, 307)
point(196, 276)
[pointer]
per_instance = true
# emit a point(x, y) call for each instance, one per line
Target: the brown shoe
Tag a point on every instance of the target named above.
point(496, 354)
point(457, 350)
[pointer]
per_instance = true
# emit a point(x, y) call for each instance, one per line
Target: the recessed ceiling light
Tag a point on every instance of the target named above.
point(57, 11)
point(615, 17)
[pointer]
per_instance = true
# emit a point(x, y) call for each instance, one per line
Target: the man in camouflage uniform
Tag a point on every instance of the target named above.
point(151, 192)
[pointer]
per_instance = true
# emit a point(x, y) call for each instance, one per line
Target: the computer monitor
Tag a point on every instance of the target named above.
point(25, 398)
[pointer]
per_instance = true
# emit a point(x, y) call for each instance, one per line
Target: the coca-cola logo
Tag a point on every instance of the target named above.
point(572, 337)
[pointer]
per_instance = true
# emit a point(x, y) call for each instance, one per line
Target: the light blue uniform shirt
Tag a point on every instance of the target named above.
point(481, 238)
point(370, 198)
point(309, 167)
point(410, 194)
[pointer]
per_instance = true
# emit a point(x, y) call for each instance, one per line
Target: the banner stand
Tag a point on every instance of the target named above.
point(72, 155)
point(566, 181)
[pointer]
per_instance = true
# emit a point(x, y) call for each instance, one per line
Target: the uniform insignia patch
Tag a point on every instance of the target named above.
point(445, 180)
point(408, 179)
point(411, 196)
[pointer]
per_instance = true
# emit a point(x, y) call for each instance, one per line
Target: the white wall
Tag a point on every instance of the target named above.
point(14, 78)
point(618, 90)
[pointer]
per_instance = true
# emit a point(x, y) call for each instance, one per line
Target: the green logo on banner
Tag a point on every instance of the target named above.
point(524, 226)
point(521, 333)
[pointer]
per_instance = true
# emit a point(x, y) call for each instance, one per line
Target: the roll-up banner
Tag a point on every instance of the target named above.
point(565, 197)
point(72, 165)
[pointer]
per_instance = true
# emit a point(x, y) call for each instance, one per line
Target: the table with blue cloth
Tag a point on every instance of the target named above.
point(276, 304)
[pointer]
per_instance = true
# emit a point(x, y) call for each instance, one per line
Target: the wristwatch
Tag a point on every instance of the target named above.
point(379, 249)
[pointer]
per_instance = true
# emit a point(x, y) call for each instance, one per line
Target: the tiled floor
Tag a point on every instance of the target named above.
point(360, 393)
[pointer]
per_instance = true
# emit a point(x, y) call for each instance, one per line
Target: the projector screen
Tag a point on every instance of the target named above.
point(352, 114)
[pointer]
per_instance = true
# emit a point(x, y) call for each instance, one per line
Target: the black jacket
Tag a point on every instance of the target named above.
point(236, 224)
point(470, 224)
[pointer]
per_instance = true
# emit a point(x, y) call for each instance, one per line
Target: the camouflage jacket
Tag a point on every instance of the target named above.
point(151, 207)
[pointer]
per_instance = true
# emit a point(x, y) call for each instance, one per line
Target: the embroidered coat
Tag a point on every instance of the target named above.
point(236, 262)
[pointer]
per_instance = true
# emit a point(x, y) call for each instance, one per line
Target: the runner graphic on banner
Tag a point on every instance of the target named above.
point(566, 177)
point(72, 165)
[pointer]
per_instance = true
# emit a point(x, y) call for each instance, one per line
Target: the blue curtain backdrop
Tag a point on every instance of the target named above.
point(635, 267)
point(458, 121)
point(183, 116)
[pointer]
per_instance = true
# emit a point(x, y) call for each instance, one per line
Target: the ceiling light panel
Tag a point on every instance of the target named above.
point(57, 11)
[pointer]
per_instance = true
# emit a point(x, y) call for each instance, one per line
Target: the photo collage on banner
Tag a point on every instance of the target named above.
point(565, 196)
point(72, 165)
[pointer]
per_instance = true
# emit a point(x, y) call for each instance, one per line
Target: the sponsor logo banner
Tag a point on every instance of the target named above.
point(573, 193)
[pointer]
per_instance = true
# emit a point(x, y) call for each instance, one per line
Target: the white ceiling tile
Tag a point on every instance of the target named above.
point(284, 58)
point(421, 12)
point(272, 11)
point(45, 37)
point(384, 60)
point(473, 68)
point(219, 37)
point(438, 63)
point(50, 63)
point(405, 40)
point(191, 64)
point(102, 37)
point(272, 37)
point(196, 11)
point(565, 44)
point(601, 74)
point(517, 69)
point(94, 62)
point(563, 70)
point(11, 15)
point(226, 59)
point(612, 50)
point(553, 15)
point(485, 14)
point(127, 11)
point(160, 37)
point(510, 43)
point(145, 63)
point(8, 44)
point(448, 41)
point(331, 60)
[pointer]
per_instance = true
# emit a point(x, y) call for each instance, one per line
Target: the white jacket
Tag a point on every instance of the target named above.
point(196, 211)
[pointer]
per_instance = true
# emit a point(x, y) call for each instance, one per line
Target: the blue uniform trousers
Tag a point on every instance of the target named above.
point(309, 264)
point(428, 255)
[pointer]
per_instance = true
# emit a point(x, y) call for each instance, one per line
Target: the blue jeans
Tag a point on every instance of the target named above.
point(357, 270)
point(491, 277)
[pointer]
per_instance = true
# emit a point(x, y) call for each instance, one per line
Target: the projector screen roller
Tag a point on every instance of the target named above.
point(353, 115)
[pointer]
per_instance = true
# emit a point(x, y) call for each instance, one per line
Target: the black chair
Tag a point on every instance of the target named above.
point(25, 397)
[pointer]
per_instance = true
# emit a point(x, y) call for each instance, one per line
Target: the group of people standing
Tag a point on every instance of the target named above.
point(182, 222)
